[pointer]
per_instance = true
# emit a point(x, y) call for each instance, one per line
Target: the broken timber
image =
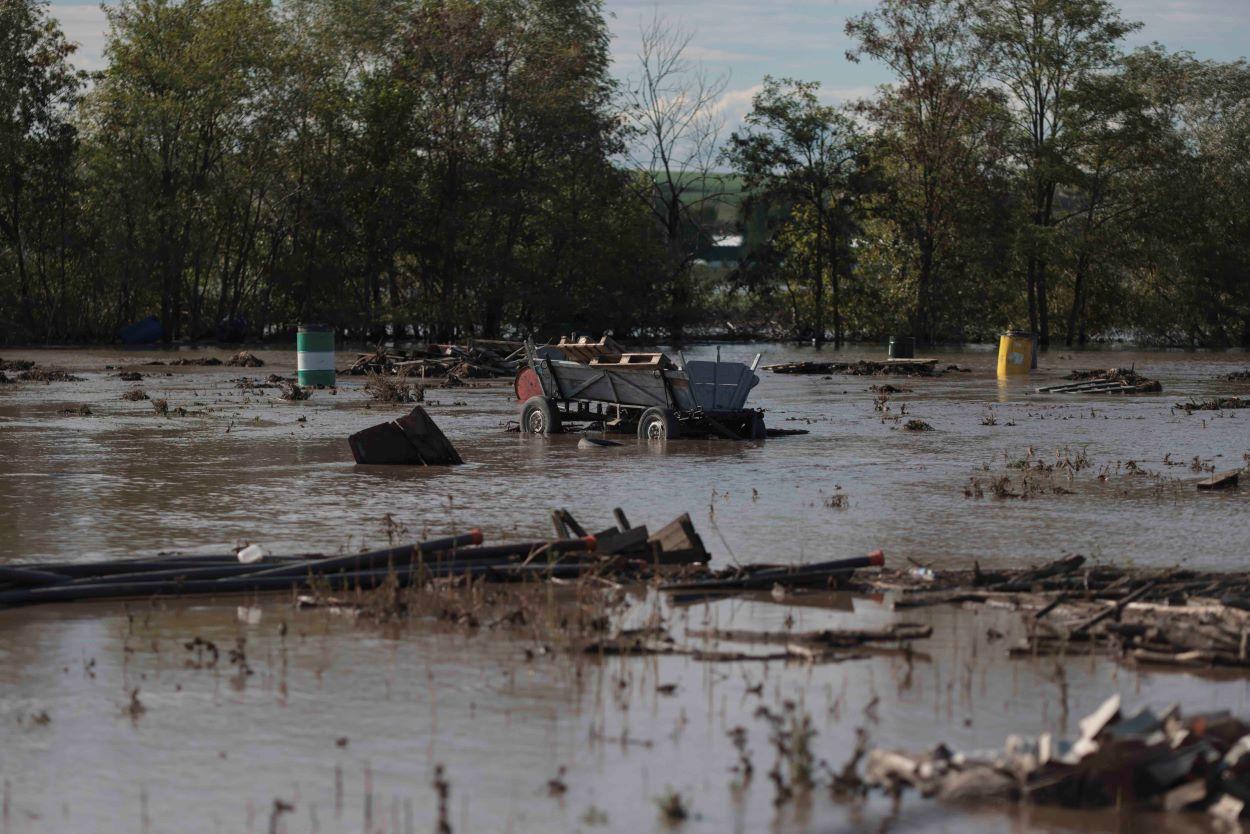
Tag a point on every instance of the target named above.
point(1220, 480)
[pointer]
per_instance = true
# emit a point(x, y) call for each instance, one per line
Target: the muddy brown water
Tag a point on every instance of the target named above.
point(212, 751)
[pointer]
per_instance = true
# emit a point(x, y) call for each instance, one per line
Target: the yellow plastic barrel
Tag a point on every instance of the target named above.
point(1015, 353)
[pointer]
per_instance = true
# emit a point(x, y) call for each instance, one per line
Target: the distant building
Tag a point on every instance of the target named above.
point(724, 252)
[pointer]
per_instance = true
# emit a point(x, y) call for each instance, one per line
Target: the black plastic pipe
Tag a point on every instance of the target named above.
point(431, 552)
point(27, 576)
point(77, 570)
point(75, 592)
point(794, 575)
point(374, 558)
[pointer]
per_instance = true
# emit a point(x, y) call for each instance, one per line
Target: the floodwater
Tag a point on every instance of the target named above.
point(346, 722)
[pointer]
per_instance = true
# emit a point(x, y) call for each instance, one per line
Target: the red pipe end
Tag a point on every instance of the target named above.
point(591, 542)
point(476, 534)
point(877, 558)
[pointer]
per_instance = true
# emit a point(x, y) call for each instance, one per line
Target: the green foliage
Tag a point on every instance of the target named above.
point(438, 167)
point(798, 154)
point(38, 91)
point(1018, 168)
point(441, 168)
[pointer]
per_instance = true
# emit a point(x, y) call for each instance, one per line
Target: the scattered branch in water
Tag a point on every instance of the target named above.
point(393, 389)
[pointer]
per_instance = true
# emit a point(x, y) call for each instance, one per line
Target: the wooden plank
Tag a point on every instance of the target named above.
point(653, 361)
point(679, 535)
point(612, 541)
point(1087, 387)
point(1220, 480)
point(571, 523)
point(557, 525)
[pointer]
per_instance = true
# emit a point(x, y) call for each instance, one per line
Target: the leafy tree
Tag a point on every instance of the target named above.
point(936, 138)
point(1041, 51)
point(38, 91)
point(796, 151)
point(1121, 144)
point(185, 132)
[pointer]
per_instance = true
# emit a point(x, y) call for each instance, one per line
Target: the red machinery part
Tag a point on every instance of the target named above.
point(527, 385)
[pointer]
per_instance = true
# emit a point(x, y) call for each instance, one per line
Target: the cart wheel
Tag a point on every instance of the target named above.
point(658, 424)
point(539, 415)
point(758, 430)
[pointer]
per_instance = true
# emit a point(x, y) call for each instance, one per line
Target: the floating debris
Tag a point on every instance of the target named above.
point(1161, 616)
point(130, 376)
point(1213, 404)
point(135, 395)
point(1108, 381)
point(1163, 760)
point(1238, 376)
point(249, 384)
point(450, 362)
point(47, 375)
point(244, 359)
point(380, 361)
point(207, 361)
point(917, 425)
point(393, 389)
point(293, 392)
point(161, 407)
point(16, 364)
point(597, 443)
point(1222, 480)
point(412, 440)
point(253, 570)
point(864, 367)
point(831, 574)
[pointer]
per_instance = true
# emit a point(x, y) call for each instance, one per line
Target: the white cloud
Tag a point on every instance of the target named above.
point(86, 26)
point(735, 104)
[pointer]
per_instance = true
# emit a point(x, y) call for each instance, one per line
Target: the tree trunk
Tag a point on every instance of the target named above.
point(818, 279)
point(23, 278)
point(1043, 316)
point(834, 285)
point(1030, 284)
point(923, 330)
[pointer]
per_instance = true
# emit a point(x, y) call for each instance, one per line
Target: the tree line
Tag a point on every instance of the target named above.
point(449, 168)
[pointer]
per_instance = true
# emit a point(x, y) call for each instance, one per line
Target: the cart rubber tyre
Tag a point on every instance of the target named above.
point(758, 430)
point(658, 424)
point(539, 415)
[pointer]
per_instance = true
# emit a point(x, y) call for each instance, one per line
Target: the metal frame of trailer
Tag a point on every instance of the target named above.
point(640, 392)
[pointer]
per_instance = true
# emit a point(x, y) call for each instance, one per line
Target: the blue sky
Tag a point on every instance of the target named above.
point(803, 38)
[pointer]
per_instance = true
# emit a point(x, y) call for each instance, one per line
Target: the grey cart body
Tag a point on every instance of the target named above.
point(703, 398)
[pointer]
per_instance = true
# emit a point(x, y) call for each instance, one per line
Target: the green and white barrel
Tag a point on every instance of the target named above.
point(314, 348)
